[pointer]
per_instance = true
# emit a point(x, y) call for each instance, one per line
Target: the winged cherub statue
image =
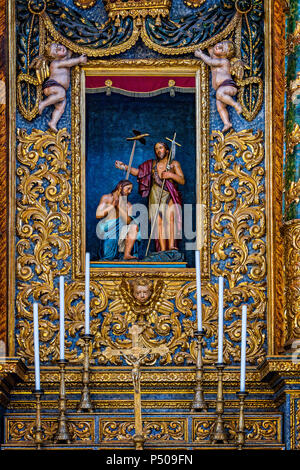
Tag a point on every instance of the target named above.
point(55, 78)
point(224, 64)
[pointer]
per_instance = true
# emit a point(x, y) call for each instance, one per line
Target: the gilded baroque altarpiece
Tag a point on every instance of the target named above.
point(239, 185)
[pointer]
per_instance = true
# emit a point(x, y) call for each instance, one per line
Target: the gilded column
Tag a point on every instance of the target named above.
point(292, 176)
point(3, 180)
point(276, 56)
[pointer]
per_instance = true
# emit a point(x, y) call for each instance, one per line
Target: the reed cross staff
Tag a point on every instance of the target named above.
point(171, 157)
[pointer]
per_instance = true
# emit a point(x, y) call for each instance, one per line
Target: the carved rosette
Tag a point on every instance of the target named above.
point(292, 273)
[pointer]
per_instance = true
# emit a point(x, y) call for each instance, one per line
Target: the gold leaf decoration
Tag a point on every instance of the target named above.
point(44, 230)
point(238, 229)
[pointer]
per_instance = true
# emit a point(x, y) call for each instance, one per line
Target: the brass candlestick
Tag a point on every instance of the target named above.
point(85, 404)
point(219, 434)
point(241, 429)
point(38, 421)
point(139, 437)
point(62, 434)
point(199, 403)
point(139, 440)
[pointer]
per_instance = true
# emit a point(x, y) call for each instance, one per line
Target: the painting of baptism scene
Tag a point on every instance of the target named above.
point(149, 222)
point(152, 173)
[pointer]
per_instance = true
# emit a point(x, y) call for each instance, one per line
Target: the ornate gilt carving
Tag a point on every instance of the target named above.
point(128, 21)
point(90, 51)
point(292, 273)
point(149, 67)
point(84, 4)
point(293, 40)
point(293, 90)
point(293, 138)
point(23, 430)
point(257, 429)
point(155, 429)
point(188, 49)
point(137, 9)
point(43, 248)
point(294, 417)
point(297, 430)
point(293, 194)
point(238, 230)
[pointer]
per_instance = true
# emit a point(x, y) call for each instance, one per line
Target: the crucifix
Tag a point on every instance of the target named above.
point(134, 357)
point(171, 157)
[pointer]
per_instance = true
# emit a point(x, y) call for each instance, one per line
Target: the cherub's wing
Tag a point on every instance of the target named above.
point(163, 292)
point(41, 66)
point(123, 301)
point(111, 288)
point(122, 298)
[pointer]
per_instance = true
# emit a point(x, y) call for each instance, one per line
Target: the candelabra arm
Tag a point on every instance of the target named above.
point(62, 434)
point(199, 403)
point(219, 434)
point(85, 404)
point(38, 421)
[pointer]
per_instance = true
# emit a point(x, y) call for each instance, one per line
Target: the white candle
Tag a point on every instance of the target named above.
point(243, 348)
point(198, 285)
point(36, 344)
point(87, 293)
point(221, 320)
point(61, 317)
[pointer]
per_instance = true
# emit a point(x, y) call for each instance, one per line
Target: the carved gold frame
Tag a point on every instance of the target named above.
point(169, 67)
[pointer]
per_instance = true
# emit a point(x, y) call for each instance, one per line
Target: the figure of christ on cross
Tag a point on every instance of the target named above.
point(150, 176)
point(134, 356)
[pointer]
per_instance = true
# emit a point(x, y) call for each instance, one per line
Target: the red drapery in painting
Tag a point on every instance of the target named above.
point(139, 85)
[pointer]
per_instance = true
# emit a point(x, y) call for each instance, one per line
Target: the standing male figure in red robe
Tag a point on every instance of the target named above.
point(150, 176)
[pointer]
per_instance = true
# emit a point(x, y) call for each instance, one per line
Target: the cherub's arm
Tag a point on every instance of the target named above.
point(71, 62)
point(209, 60)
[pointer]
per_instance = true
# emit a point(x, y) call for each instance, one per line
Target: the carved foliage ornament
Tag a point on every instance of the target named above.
point(24, 430)
point(292, 263)
point(256, 429)
point(84, 4)
point(137, 9)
